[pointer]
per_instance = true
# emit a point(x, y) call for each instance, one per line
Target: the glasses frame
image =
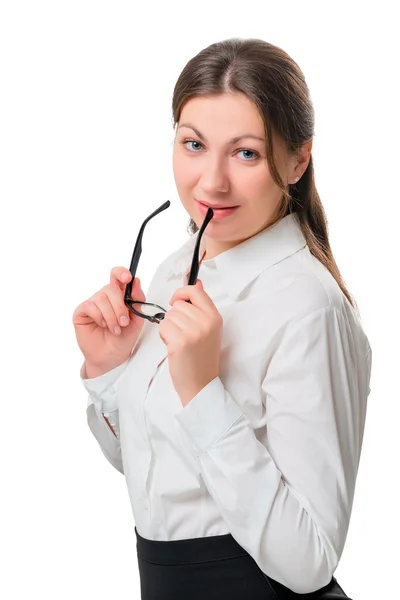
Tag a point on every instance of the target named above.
point(194, 269)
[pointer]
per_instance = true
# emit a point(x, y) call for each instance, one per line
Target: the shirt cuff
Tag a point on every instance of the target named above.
point(209, 415)
point(101, 389)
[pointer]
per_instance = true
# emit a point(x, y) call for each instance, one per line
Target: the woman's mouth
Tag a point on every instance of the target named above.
point(219, 213)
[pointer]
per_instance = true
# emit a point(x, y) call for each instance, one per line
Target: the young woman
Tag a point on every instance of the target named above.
point(234, 403)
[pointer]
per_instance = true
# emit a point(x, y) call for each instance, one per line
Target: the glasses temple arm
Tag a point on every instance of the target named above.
point(194, 270)
point(138, 249)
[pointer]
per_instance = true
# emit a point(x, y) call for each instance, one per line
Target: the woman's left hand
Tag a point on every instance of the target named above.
point(193, 336)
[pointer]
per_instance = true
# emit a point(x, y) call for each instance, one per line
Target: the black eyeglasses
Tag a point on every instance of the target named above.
point(148, 310)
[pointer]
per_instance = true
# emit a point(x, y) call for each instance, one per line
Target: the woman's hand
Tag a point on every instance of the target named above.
point(105, 329)
point(193, 336)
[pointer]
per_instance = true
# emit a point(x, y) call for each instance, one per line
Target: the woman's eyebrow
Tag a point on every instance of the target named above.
point(231, 141)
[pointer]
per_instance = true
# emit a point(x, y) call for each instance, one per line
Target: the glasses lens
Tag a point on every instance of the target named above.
point(150, 310)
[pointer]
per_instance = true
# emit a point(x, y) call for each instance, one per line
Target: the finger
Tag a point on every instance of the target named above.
point(116, 297)
point(137, 292)
point(197, 296)
point(187, 289)
point(194, 313)
point(89, 312)
point(110, 306)
point(168, 332)
point(184, 321)
point(120, 276)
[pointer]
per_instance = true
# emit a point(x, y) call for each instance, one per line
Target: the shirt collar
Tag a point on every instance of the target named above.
point(239, 265)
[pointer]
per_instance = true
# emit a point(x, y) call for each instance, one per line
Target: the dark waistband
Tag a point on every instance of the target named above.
point(215, 547)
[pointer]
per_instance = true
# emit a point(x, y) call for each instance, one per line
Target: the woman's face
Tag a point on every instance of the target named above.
point(209, 168)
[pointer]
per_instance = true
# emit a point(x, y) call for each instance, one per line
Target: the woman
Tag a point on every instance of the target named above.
point(236, 416)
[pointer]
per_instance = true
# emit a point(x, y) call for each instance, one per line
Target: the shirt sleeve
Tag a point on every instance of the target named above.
point(102, 407)
point(102, 389)
point(288, 503)
point(107, 440)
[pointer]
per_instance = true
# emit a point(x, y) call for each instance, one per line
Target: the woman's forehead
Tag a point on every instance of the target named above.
point(223, 110)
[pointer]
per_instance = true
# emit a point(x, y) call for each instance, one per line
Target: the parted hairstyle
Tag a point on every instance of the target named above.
point(270, 78)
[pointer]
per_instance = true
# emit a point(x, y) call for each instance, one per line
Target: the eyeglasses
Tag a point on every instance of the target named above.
point(153, 312)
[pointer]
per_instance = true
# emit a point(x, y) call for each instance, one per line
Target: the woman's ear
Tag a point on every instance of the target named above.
point(303, 158)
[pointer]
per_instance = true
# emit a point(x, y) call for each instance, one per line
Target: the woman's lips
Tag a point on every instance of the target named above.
point(219, 213)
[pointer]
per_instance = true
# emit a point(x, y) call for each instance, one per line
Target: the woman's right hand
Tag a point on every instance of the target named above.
point(104, 347)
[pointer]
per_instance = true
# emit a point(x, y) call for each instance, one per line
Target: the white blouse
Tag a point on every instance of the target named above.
point(269, 450)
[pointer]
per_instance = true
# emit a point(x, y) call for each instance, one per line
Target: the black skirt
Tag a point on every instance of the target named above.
point(210, 568)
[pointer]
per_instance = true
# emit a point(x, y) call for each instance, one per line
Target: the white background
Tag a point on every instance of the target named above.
point(86, 143)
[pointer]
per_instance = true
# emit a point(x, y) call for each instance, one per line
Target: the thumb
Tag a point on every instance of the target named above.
point(137, 290)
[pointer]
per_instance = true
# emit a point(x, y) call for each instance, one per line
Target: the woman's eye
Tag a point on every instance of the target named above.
point(190, 142)
point(250, 152)
point(254, 154)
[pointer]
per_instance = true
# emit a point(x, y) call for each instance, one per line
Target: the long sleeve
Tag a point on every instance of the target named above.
point(109, 444)
point(102, 402)
point(103, 394)
point(288, 503)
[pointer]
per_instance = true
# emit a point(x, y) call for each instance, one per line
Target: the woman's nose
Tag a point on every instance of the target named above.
point(214, 178)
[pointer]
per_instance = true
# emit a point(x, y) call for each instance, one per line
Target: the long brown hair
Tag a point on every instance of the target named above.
point(269, 77)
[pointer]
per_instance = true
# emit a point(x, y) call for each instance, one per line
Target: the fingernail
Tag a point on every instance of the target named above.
point(117, 329)
point(124, 320)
